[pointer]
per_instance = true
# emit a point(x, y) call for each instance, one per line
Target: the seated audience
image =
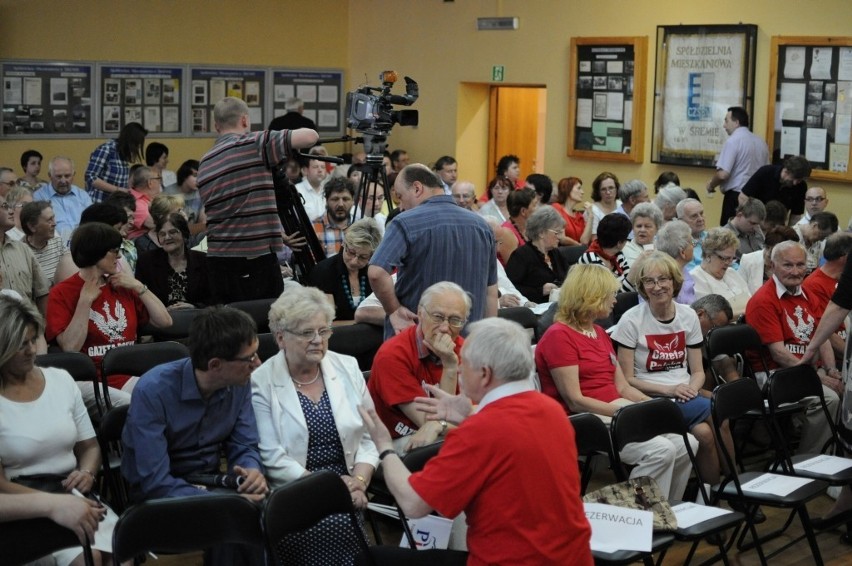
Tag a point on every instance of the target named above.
point(667, 199)
point(18, 266)
point(31, 164)
point(157, 158)
point(820, 285)
point(187, 187)
point(311, 187)
point(373, 205)
point(785, 318)
point(776, 215)
point(101, 307)
point(518, 441)
point(716, 275)
point(660, 353)
point(755, 266)
point(67, 199)
point(177, 275)
point(145, 184)
point(306, 403)
point(427, 352)
point(575, 362)
point(79, 514)
point(542, 185)
point(17, 198)
point(816, 201)
point(333, 223)
point(691, 211)
point(464, 194)
point(521, 204)
point(569, 198)
point(127, 203)
point(105, 213)
point(813, 236)
point(746, 226)
point(666, 178)
point(647, 219)
point(498, 193)
point(631, 193)
point(606, 249)
point(161, 206)
point(675, 239)
point(714, 311)
point(605, 199)
point(343, 277)
point(538, 268)
point(39, 225)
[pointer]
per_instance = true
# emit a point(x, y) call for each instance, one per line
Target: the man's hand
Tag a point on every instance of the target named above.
point(442, 406)
point(254, 483)
point(377, 429)
point(508, 300)
point(442, 345)
point(79, 514)
point(425, 435)
point(294, 241)
point(401, 319)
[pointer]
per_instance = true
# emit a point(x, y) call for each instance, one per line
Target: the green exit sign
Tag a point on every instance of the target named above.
point(497, 73)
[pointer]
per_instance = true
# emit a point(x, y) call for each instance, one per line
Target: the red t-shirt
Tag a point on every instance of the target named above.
point(575, 224)
point(113, 319)
point(396, 377)
point(819, 288)
point(790, 319)
point(512, 468)
point(562, 346)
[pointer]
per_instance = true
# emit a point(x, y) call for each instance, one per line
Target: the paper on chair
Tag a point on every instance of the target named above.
point(775, 484)
point(825, 464)
point(618, 528)
point(689, 514)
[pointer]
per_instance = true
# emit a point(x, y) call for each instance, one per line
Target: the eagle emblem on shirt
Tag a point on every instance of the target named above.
point(803, 326)
point(111, 324)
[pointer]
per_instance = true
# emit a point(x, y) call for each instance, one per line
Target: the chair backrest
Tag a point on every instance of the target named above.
point(113, 423)
point(736, 340)
point(791, 385)
point(109, 440)
point(30, 539)
point(179, 329)
point(136, 359)
point(416, 459)
point(258, 309)
point(184, 524)
point(360, 341)
point(623, 303)
point(572, 254)
point(593, 440)
point(267, 346)
point(301, 504)
point(734, 399)
point(522, 315)
point(79, 365)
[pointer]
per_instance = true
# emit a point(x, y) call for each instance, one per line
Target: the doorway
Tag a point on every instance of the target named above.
point(516, 126)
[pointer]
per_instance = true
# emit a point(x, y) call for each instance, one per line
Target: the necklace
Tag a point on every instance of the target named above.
point(299, 384)
point(588, 333)
point(362, 281)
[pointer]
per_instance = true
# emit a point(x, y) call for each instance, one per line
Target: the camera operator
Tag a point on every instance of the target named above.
point(235, 183)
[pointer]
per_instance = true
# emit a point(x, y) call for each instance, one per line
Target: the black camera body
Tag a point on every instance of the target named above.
point(369, 109)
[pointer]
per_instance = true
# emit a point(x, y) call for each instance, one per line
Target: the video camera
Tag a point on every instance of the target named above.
point(373, 114)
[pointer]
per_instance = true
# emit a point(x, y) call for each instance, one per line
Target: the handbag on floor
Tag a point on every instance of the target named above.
point(638, 493)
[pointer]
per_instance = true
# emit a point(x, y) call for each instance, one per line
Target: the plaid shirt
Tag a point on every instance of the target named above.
point(105, 164)
point(330, 236)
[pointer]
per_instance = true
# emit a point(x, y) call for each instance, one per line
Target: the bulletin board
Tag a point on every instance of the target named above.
point(211, 84)
point(145, 94)
point(47, 99)
point(607, 84)
point(321, 91)
point(810, 103)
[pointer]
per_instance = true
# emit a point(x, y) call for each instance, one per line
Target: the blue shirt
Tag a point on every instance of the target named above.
point(439, 241)
point(68, 208)
point(171, 431)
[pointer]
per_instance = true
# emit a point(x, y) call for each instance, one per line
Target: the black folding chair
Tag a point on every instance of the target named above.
point(267, 346)
point(79, 365)
point(30, 539)
point(642, 422)
point(109, 439)
point(623, 303)
point(731, 401)
point(522, 315)
point(185, 524)
point(360, 340)
point(179, 329)
point(593, 441)
point(302, 504)
point(136, 359)
point(258, 309)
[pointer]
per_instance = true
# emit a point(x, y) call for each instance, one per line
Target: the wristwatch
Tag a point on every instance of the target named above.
point(444, 424)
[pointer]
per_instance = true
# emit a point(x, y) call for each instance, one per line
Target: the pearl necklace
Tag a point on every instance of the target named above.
point(299, 384)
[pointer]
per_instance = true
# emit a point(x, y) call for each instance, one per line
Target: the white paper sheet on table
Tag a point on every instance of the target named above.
point(825, 464)
point(618, 528)
point(775, 484)
point(689, 514)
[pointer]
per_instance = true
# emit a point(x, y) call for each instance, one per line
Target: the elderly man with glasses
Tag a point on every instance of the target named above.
point(425, 353)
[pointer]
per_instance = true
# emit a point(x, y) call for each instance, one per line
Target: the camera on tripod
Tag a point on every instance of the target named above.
point(373, 114)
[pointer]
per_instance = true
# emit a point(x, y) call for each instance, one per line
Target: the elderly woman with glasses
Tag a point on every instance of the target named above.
point(343, 277)
point(660, 353)
point(647, 220)
point(538, 268)
point(675, 238)
point(715, 274)
point(306, 403)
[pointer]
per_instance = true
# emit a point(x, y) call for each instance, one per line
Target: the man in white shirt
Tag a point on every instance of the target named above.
point(816, 201)
point(311, 188)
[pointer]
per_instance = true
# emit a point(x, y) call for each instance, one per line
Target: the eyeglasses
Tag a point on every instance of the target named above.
point(4, 206)
point(726, 258)
point(246, 359)
point(308, 335)
point(351, 253)
point(453, 321)
point(171, 233)
point(814, 199)
point(155, 178)
point(554, 232)
point(607, 189)
point(653, 282)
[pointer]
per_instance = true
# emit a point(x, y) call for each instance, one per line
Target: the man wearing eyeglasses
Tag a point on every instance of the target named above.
point(425, 353)
point(145, 184)
point(816, 201)
point(7, 181)
point(18, 266)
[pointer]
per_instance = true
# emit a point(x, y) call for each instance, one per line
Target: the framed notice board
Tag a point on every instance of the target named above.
point(701, 72)
point(147, 94)
point(321, 91)
point(212, 84)
point(47, 99)
point(607, 84)
point(810, 103)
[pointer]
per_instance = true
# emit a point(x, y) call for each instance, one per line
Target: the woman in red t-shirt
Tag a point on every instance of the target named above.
point(569, 196)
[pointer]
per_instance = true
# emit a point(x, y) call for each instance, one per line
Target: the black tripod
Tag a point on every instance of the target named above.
point(291, 211)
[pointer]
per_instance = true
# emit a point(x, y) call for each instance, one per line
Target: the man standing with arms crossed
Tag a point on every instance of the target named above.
point(742, 155)
point(235, 183)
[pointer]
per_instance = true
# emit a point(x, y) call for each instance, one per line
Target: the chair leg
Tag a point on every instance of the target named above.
point(809, 534)
point(371, 516)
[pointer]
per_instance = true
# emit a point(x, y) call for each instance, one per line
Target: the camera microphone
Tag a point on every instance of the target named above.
point(230, 481)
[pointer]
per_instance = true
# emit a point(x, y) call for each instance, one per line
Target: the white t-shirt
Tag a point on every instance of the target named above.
point(659, 349)
point(38, 437)
point(732, 286)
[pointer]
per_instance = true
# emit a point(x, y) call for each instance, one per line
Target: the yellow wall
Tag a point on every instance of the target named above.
point(252, 32)
point(432, 41)
point(437, 44)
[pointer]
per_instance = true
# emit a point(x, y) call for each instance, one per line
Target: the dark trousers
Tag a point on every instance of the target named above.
point(730, 202)
point(242, 279)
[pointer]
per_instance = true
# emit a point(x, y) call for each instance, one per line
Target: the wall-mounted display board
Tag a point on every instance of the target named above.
point(607, 83)
point(701, 72)
point(211, 84)
point(47, 99)
point(321, 91)
point(148, 95)
point(810, 103)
